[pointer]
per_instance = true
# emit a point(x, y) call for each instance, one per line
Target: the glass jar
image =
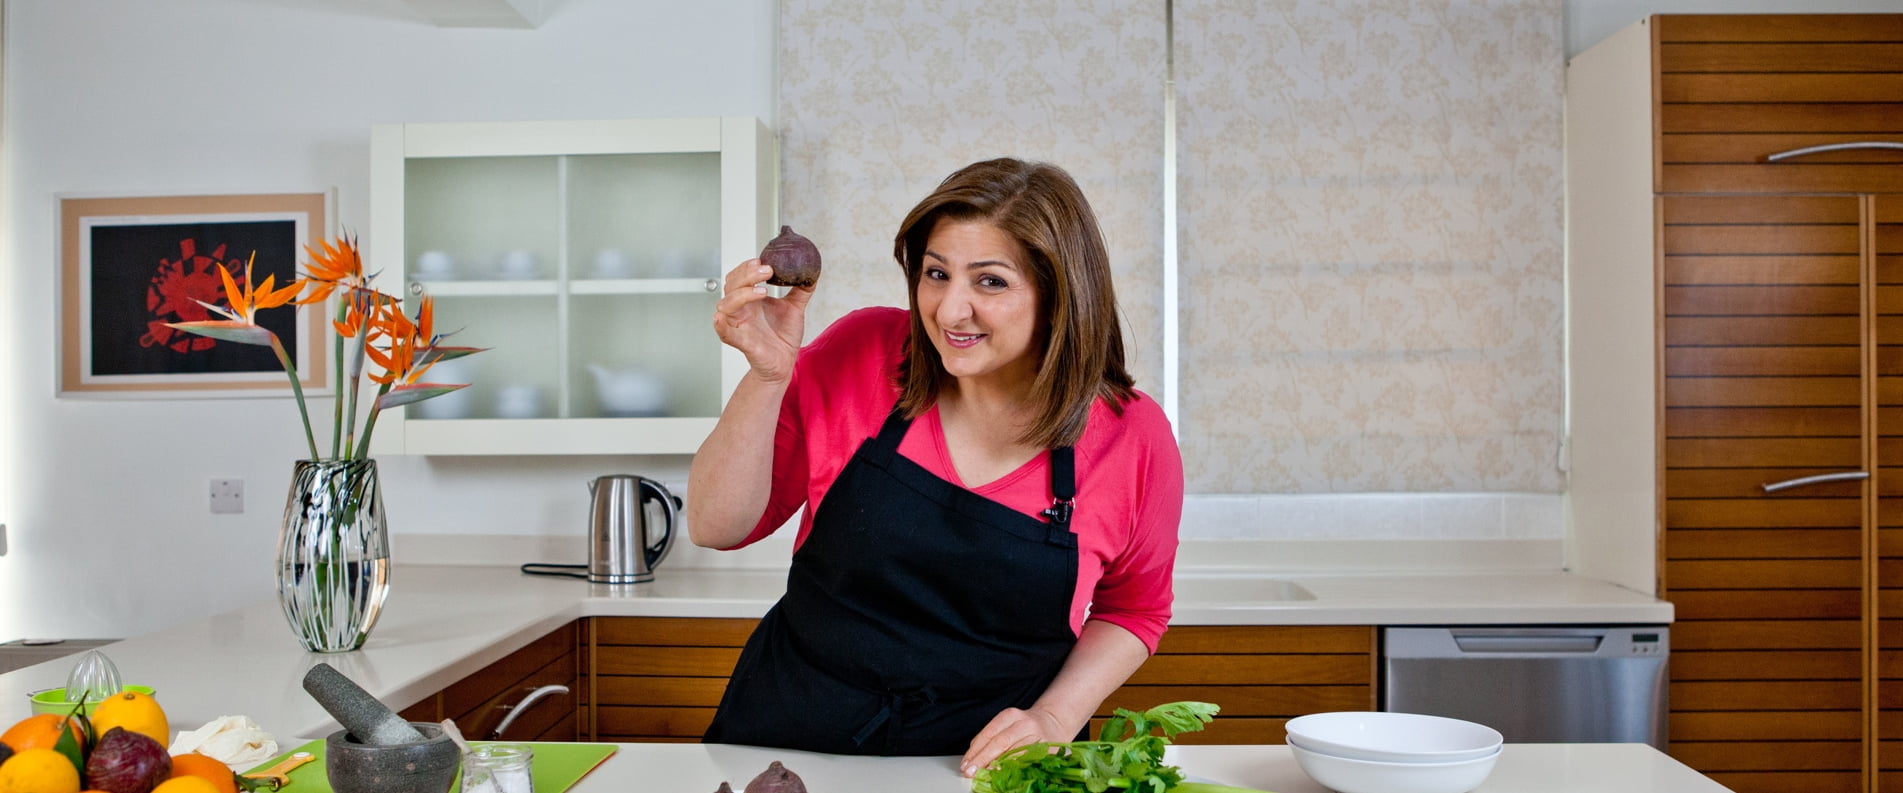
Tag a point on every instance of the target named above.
point(498, 768)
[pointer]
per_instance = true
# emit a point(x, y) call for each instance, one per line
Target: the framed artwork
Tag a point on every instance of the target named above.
point(128, 266)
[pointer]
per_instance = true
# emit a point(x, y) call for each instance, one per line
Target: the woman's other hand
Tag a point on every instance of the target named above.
point(767, 330)
point(1009, 730)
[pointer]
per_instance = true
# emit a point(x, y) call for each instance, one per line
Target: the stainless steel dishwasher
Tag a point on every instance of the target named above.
point(1534, 684)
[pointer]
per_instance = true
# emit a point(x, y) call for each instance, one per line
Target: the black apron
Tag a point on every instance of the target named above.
point(914, 612)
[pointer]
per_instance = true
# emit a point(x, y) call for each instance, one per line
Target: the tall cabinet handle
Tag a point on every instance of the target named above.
point(1840, 476)
point(1862, 144)
point(516, 709)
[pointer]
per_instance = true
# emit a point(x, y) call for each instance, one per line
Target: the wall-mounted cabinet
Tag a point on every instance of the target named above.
point(588, 256)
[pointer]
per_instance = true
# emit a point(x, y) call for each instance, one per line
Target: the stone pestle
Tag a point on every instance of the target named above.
point(366, 719)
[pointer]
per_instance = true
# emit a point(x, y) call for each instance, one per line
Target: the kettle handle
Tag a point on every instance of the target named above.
point(655, 553)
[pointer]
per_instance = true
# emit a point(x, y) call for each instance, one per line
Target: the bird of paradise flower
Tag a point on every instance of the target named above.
point(370, 326)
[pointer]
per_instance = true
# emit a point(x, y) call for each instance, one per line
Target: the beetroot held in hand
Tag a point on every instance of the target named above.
point(794, 259)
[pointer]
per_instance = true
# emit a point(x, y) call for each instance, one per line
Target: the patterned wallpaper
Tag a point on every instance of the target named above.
point(1369, 207)
point(880, 100)
point(1370, 244)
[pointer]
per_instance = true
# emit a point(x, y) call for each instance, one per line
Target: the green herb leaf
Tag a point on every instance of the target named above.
point(1126, 756)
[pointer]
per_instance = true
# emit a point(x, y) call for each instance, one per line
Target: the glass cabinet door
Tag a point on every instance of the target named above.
point(591, 276)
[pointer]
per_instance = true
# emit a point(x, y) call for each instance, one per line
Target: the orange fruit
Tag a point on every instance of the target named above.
point(38, 771)
point(40, 732)
point(207, 768)
point(135, 712)
point(186, 784)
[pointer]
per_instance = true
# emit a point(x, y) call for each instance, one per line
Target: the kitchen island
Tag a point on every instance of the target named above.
point(1522, 768)
point(444, 622)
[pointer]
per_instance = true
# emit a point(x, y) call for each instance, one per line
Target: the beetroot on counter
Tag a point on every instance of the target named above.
point(127, 762)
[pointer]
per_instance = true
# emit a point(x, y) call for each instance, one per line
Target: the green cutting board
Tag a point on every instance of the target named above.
point(556, 767)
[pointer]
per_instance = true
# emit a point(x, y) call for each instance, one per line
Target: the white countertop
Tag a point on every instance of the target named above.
point(1522, 768)
point(442, 623)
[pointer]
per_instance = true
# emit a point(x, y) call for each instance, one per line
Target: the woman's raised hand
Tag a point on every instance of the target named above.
point(768, 330)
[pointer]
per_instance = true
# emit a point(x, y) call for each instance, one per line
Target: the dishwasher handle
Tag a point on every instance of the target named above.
point(1494, 644)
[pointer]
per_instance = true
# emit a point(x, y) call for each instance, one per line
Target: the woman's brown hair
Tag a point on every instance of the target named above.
point(1042, 208)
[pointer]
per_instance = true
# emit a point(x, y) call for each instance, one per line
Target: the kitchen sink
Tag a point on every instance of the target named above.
point(1238, 589)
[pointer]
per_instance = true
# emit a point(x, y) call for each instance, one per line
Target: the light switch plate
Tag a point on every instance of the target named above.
point(227, 496)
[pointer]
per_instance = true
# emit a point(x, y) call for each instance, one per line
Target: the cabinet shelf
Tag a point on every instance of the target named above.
point(575, 364)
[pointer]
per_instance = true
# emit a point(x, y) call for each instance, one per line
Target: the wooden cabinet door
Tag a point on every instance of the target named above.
point(659, 679)
point(1763, 362)
point(1261, 675)
point(1885, 260)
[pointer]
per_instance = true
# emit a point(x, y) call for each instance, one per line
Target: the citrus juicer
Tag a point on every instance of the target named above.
point(93, 679)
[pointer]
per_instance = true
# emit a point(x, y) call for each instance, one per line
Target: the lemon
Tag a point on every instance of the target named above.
point(38, 771)
point(134, 711)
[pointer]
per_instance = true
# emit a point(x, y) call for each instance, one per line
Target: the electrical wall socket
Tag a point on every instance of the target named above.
point(227, 496)
point(3, 539)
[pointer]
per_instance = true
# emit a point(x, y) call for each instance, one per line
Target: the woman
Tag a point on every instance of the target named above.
point(990, 507)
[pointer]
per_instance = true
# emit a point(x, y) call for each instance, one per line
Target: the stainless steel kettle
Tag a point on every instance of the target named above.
point(623, 548)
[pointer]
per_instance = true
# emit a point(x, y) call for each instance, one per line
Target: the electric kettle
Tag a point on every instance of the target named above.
point(623, 546)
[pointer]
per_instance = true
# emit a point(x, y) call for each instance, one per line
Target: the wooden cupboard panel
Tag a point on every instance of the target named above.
point(1844, 117)
point(1285, 701)
point(1763, 392)
point(1761, 301)
point(1758, 210)
point(668, 661)
point(1807, 635)
point(482, 685)
point(1754, 574)
point(1764, 725)
point(538, 717)
point(1769, 755)
point(1769, 543)
point(634, 723)
point(1729, 422)
point(1782, 57)
point(1761, 331)
point(1833, 453)
point(1346, 669)
point(1770, 88)
point(1802, 519)
point(1748, 269)
point(1215, 639)
point(673, 631)
point(1776, 604)
point(662, 691)
point(1788, 781)
point(1766, 665)
point(1746, 237)
point(1768, 695)
point(1749, 483)
point(1763, 362)
point(1675, 28)
point(1788, 177)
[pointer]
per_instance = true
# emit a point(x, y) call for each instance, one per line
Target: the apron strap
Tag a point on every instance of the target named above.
point(892, 707)
point(1064, 496)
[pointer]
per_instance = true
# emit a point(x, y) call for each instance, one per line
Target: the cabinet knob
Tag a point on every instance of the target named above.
point(712, 285)
point(416, 288)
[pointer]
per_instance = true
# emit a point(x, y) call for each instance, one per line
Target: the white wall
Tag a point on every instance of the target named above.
point(109, 533)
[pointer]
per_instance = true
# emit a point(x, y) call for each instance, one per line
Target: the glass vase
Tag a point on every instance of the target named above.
point(333, 554)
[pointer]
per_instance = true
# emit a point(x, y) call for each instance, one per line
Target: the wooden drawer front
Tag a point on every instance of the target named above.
point(659, 679)
point(1262, 676)
point(482, 700)
point(1733, 89)
point(1886, 239)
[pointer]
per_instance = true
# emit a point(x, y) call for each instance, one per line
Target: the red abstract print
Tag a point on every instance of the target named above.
point(174, 293)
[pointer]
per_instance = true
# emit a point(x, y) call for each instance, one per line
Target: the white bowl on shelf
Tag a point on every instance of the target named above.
point(1393, 737)
point(1348, 775)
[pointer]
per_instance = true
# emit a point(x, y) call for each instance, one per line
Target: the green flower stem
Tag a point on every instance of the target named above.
point(370, 424)
point(298, 389)
point(356, 383)
point(337, 406)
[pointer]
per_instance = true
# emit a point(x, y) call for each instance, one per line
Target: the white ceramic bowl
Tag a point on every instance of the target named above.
point(1393, 737)
point(1346, 775)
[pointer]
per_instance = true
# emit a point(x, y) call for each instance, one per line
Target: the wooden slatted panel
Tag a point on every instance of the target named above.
point(1262, 676)
point(1886, 238)
point(659, 679)
point(1733, 89)
point(1766, 586)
